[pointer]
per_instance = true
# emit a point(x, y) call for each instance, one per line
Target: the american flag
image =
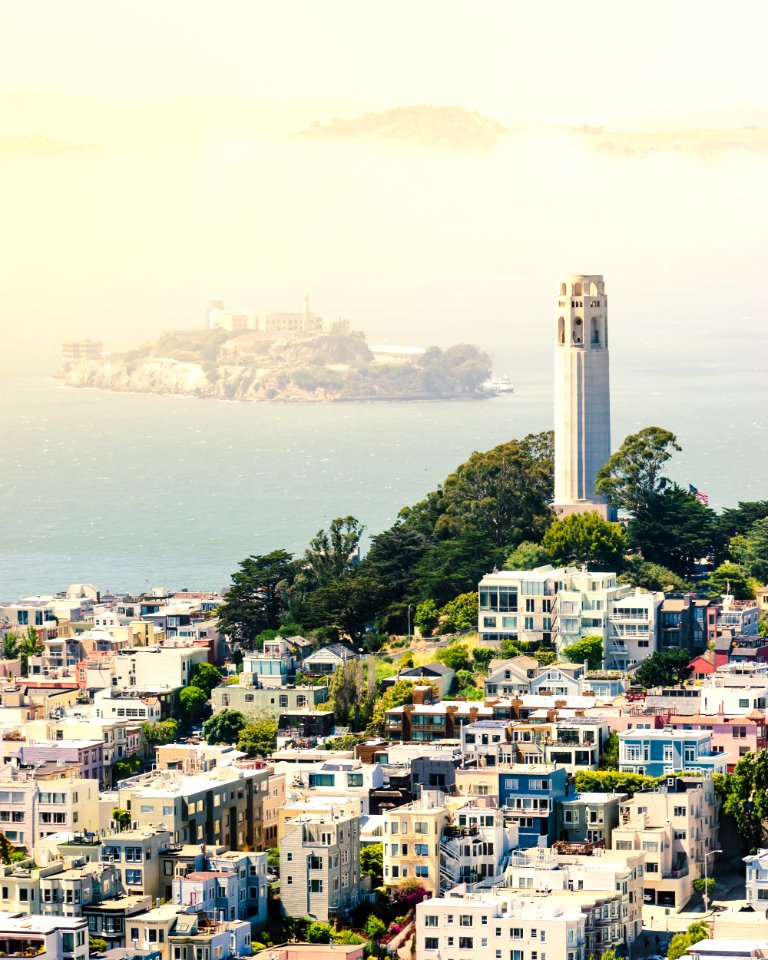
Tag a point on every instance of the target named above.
point(699, 494)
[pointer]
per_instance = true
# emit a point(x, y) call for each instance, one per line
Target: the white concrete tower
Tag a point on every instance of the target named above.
point(582, 393)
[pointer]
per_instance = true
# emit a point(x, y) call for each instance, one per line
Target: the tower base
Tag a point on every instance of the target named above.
point(563, 510)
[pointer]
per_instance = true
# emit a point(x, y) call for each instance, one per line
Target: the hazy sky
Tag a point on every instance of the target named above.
point(169, 171)
point(560, 61)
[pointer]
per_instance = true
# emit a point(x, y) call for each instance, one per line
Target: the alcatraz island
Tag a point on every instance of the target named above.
point(239, 355)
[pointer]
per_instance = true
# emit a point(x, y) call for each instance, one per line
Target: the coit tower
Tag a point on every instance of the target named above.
point(582, 394)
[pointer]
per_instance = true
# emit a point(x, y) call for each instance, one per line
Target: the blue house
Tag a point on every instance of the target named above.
point(656, 753)
point(529, 794)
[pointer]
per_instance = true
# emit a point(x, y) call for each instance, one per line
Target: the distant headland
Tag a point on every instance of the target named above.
point(279, 356)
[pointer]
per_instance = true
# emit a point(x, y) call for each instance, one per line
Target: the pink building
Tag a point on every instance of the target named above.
point(87, 754)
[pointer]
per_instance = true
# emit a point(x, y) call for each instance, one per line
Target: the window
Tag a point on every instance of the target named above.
point(422, 870)
point(430, 920)
point(465, 920)
point(421, 849)
point(466, 943)
point(421, 826)
point(133, 877)
point(431, 943)
point(528, 625)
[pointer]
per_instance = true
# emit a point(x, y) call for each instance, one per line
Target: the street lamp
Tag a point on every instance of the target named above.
point(706, 878)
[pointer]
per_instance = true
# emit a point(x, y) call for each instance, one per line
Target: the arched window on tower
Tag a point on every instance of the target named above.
point(595, 331)
point(577, 289)
point(578, 330)
point(562, 289)
point(561, 330)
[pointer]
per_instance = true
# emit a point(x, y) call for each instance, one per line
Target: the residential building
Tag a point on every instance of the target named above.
point(677, 626)
point(721, 949)
point(487, 925)
point(738, 616)
point(558, 680)
point(273, 700)
point(344, 779)
point(705, 616)
point(110, 919)
point(528, 793)
point(234, 887)
point(573, 742)
point(632, 629)
point(511, 678)
point(731, 736)
point(518, 604)
point(33, 807)
point(66, 891)
point(216, 807)
point(323, 662)
point(562, 605)
point(583, 604)
point(614, 914)
point(655, 753)
point(44, 937)
point(86, 755)
point(412, 837)
point(589, 818)
point(732, 693)
point(251, 870)
point(440, 676)
point(475, 847)
point(757, 880)
point(320, 867)
point(168, 929)
point(675, 826)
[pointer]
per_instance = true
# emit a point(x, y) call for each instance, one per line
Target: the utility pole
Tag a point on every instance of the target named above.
point(706, 881)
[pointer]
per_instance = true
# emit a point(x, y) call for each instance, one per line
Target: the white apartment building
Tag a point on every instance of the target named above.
point(490, 926)
point(733, 694)
point(475, 847)
point(46, 938)
point(632, 629)
point(617, 876)
point(149, 668)
point(518, 604)
point(562, 605)
point(757, 880)
point(344, 779)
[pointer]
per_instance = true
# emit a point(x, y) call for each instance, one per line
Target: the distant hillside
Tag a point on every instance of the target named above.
point(248, 366)
point(448, 127)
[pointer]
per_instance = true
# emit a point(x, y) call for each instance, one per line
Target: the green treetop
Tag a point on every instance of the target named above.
point(586, 539)
point(633, 475)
